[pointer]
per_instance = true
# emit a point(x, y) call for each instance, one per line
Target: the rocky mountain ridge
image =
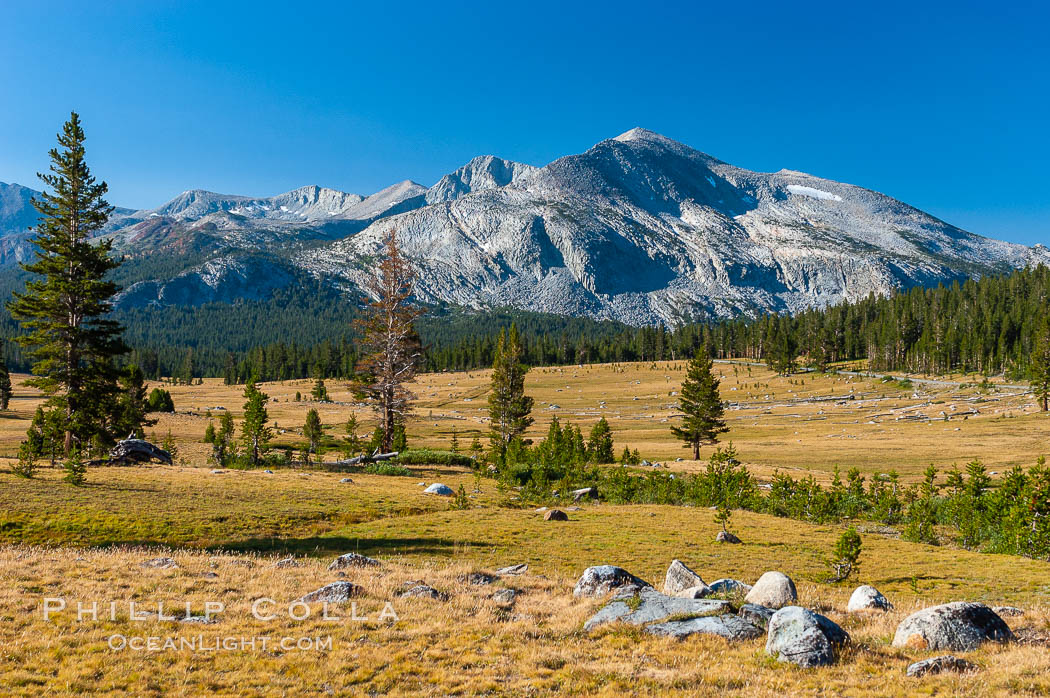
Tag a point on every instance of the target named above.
point(639, 228)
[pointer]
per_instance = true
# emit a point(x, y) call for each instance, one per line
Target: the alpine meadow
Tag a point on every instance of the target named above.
point(609, 417)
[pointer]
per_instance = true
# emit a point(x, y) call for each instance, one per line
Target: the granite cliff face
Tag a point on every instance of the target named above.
point(640, 229)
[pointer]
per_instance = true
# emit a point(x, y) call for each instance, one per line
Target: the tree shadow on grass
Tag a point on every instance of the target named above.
point(337, 545)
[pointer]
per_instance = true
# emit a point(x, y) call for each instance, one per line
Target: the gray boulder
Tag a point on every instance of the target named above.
point(729, 587)
point(679, 578)
point(773, 590)
point(352, 560)
point(424, 591)
point(555, 515)
point(756, 615)
point(936, 665)
point(701, 591)
point(867, 598)
point(513, 570)
point(727, 626)
point(336, 592)
point(804, 638)
point(287, 562)
point(160, 563)
point(477, 578)
point(600, 580)
point(438, 488)
point(1007, 611)
point(650, 606)
point(961, 626)
point(726, 537)
point(505, 597)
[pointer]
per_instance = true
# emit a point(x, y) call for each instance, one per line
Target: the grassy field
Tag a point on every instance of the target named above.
point(227, 530)
point(786, 423)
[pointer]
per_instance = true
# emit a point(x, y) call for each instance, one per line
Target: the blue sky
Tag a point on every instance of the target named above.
point(942, 105)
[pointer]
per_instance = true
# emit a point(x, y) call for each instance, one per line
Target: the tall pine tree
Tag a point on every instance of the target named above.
point(509, 406)
point(254, 428)
point(1041, 366)
point(65, 304)
point(702, 405)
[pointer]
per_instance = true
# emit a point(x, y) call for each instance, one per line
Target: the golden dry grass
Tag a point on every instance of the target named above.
point(465, 646)
point(236, 524)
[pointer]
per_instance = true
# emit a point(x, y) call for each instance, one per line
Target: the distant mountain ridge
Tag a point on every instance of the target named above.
point(639, 228)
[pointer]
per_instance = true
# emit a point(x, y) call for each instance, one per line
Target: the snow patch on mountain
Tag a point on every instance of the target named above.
point(812, 192)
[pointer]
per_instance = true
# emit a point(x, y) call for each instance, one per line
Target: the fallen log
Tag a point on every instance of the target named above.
point(359, 460)
point(134, 451)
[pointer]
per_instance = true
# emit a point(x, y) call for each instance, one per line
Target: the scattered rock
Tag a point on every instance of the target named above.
point(727, 626)
point(555, 515)
point(204, 620)
point(505, 597)
point(268, 472)
point(521, 568)
point(588, 492)
point(347, 480)
point(160, 563)
point(961, 626)
point(729, 587)
point(424, 591)
point(773, 590)
point(541, 510)
point(438, 488)
point(1011, 611)
point(868, 598)
point(679, 578)
point(646, 605)
point(573, 508)
point(726, 537)
point(217, 471)
point(477, 578)
point(756, 615)
point(287, 562)
point(209, 575)
point(352, 560)
point(336, 592)
point(600, 580)
point(701, 591)
point(936, 665)
point(804, 638)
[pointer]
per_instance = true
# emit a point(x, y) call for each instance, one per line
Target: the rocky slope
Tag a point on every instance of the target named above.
point(639, 228)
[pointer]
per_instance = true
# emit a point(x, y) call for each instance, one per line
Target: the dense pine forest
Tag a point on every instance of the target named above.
point(988, 325)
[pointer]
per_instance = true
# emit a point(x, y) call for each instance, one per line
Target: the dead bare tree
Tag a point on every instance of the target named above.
point(389, 337)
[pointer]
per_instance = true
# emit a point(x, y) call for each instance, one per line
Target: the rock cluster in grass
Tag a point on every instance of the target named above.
point(794, 634)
